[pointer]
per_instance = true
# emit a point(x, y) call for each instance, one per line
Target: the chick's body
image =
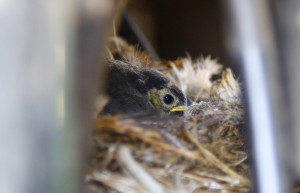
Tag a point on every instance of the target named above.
point(133, 89)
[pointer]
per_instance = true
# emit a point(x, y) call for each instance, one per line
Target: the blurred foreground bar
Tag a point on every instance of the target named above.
point(253, 44)
point(49, 65)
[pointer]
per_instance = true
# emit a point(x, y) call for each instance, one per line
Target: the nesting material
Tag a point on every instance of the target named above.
point(203, 151)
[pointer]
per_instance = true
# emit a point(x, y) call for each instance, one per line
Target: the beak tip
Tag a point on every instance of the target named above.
point(178, 109)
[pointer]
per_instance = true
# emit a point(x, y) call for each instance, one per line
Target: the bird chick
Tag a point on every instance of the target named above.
point(132, 89)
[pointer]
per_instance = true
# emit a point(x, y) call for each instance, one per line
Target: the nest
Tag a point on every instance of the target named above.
point(203, 151)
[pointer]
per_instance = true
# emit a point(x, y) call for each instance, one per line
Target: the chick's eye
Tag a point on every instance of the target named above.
point(168, 99)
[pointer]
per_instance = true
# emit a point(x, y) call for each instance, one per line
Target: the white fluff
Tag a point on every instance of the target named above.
point(194, 78)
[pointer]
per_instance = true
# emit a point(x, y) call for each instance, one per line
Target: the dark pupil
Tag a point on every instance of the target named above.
point(168, 99)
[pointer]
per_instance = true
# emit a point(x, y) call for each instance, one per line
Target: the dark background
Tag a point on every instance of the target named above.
point(177, 28)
